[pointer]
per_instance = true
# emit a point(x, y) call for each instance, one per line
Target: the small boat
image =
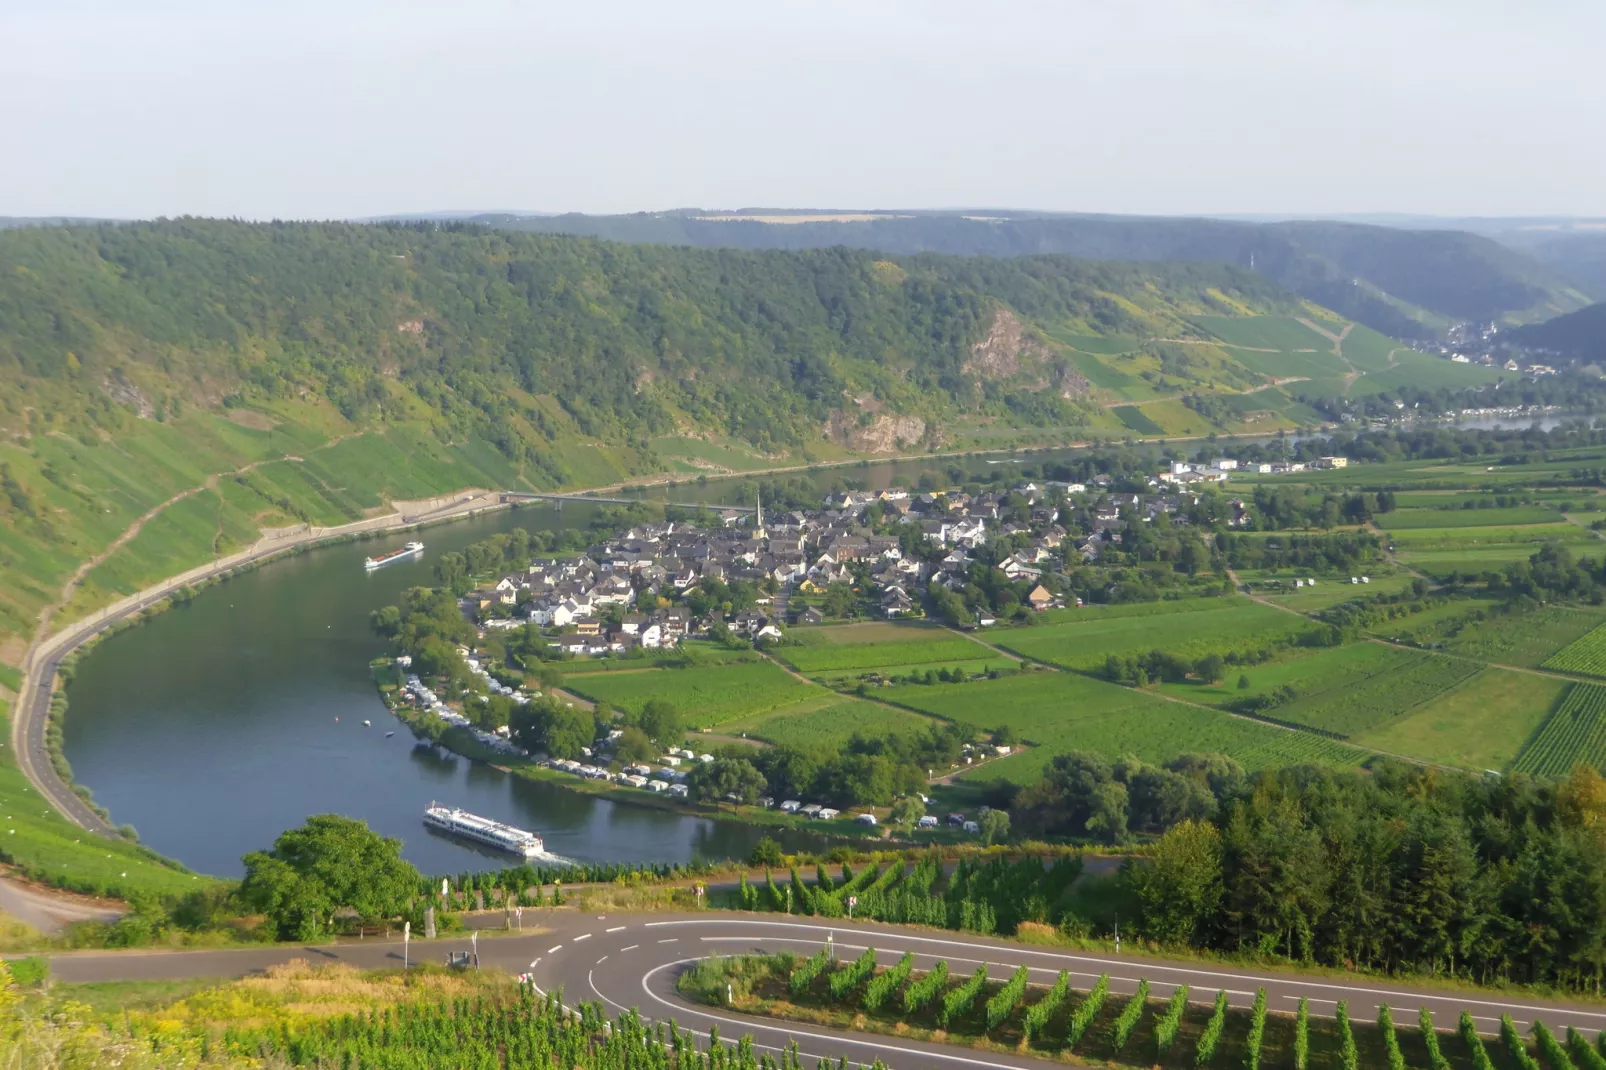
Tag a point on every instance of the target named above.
point(389, 734)
point(367, 724)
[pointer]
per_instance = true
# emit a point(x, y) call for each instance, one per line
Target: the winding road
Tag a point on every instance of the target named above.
point(632, 961)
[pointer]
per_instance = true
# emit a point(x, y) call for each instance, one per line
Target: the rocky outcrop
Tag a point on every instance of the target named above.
point(875, 432)
point(998, 356)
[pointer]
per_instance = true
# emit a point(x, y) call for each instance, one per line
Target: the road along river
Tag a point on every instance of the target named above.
point(632, 960)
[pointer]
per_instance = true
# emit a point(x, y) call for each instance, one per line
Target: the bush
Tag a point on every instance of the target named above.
point(1130, 1015)
point(1474, 1043)
point(1038, 1014)
point(881, 988)
point(1391, 1040)
point(921, 992)
point(958, 1001)
point(1087, 1010)
point(1165, 1030)
point(1005, 999)
point(1211, 1036)
point(1257, 1032)
point(1584, 1054)
point(1430, 1040)
point(1302, 1036)
point(1348, 1056)
point(1551, 1048)
point(1514, 1045)
point(849, 977)
point(806, 972)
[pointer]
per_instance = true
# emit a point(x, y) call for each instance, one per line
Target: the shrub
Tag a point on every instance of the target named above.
point(1302, 1035)
point(1038, 1014)
point(1391, 1040)
point(1087, 1010)
point(958, 1001)
point(1514, 1045)
point(1131, 1014)
point(806, 972)
point(848, 978)
point(1006, 999)
point(1211, 1037)
point(1584, 1053)
point(880, 988)
point(1474, 1043)
point(1430, 1040)
point(920, 993)
point(1165, 1030)
point(1257, 1032)
point(1551, 1048)
point(1349, 1057)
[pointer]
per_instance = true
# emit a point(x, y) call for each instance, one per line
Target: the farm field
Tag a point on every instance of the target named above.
point(1327, 592)
point(876, 646)
point(1358, 707)
point(1433, 625)
point(1585, 655)
point(974, 667)
point(1132, 417)
point(1309, 672)
point(828, 724)
point(1481, 723)
point(1196, 628)
point(1574, 733)
point(1474, 559)
point(1060, 712)
point(1528, 639)
point(706, 697)
point(1414, 519)
point(1444, 538)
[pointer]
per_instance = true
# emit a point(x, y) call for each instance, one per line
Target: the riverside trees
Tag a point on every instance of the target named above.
point(329, 864)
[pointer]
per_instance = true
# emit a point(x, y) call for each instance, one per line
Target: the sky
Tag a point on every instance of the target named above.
point(352, 108)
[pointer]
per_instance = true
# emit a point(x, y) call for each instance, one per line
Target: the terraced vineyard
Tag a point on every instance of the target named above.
point(1575, 733)
point(1586, 655)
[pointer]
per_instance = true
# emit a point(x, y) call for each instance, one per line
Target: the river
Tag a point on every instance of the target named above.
point(219, 724)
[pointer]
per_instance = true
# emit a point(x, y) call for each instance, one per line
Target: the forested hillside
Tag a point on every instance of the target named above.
point(1405, 283)
point(1580, 335)
point(170, 388)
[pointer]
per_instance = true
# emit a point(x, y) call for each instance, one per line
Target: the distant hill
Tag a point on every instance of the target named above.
point(1580, 335)
point(1405, 283)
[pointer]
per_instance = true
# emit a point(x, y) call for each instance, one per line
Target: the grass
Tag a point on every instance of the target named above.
point(829, 724)
point(1283, 333)
point(1327, 592)
point(1329, 670)
point(877, 646)
point(1191, 630)
point(1449, 538)
point(1527, 639)
point(1481, 723)
point(706, 697)
point(1416, 519)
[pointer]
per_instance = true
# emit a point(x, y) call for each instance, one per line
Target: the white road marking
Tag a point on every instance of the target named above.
point(602, 960)
point(671, 940)
point(552, 949)
point(1389, 994)
point(532, 965)
point(632, 947)
point(587, 936)
point(617, 929)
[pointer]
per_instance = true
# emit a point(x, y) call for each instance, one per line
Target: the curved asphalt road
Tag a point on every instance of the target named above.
point(632, 961)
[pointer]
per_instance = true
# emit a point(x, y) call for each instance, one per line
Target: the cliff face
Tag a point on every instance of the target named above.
point(1011, 350)
point(875, 432)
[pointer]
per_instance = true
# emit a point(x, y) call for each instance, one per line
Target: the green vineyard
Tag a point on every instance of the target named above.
point(1575, 733)
point(1586, 655)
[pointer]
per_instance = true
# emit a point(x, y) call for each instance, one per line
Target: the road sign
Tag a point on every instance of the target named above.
point(853, 901)
point(407, 935)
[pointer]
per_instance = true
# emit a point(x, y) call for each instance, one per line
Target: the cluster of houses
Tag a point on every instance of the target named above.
point(1182, 473)
point(426, 698)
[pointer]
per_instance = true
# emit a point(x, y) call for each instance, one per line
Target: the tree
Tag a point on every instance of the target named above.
point(557, 728)
point(839, 600)
point(907, 812)
point(1243, 681)
point(1005, 736)
point(1179, 884)
point(727, 780)
point(634, 746)
point(661, 722)
point(766, 852)
point(329, 864)
point(994, 825)
point(1210, 668)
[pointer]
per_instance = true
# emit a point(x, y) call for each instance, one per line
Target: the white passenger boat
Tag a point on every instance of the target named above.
point(484, 831)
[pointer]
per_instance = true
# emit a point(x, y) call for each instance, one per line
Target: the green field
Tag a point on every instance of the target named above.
point(1585, 655)
point(1311, 673)
point(1441, 563)
point(1416, 519)
point(1194, 629)
point(1361, 705)
point(1132, 418)
point(827, 723)
point(1060, 712)
point(1449, 538)
point(1481, 723)
point(706, 697)
point(1574, 734)
point(888, 646)
point(1527, 639)
point(1283, 333)
point(1329, 591)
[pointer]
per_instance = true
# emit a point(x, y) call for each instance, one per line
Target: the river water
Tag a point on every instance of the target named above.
point(219, 724)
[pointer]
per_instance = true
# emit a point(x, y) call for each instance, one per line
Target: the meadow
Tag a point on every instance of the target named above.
point(1362, 705)
point(1481, 723)
point(706, 697)
point(1192, 629)
point(880, 646)
point(1415, 519)
point(827, 722)
point(1575, 733)
point(1525, 639)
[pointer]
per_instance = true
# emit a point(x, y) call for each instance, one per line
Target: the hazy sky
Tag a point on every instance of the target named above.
point(133, 108)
